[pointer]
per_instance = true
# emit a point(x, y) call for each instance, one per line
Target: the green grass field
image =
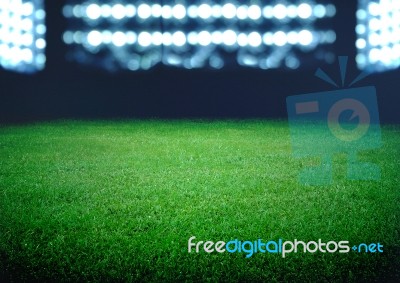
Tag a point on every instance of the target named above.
point(118, 201)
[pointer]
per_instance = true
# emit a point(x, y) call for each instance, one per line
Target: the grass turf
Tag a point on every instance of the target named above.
point(118, 201)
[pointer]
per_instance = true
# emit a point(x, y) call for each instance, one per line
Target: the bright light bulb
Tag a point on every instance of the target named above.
point(94, 38)
point(179, 11)
point(229, 37)
point(144, 11)
point(204, 11)
point(254, 12)
point(229, 11)
point(179, 38)
point(93, 11)
point(118, 11)
point(254, 39)
point(304, 11)
point(204, 38)
point(280, 11)
point(305, 37)
point(119, 39)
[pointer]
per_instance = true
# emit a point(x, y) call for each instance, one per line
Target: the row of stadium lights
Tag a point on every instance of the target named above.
point(116, 40)
point(378, 33)
point(203, 11)
point(22, 28)
point(203, 38)
point(22, 34)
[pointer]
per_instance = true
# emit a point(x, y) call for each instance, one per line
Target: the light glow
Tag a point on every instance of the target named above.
point(197, 33)
point(378, 35)
point(22, 35)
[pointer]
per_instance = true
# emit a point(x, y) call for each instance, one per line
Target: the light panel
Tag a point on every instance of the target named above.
point(193, 34)
point(378, 35)
point(22, 35)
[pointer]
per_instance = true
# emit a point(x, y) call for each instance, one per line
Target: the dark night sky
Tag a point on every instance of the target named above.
point(65, 90)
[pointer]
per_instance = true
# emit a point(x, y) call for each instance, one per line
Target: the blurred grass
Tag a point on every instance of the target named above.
point(118, 201)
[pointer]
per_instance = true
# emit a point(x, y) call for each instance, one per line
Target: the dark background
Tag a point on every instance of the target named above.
point(66, 90)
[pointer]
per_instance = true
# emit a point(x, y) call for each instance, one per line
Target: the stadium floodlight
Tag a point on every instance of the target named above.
point(193, 34)
point(115, 34)
point(22, 35)
point(378, 35)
